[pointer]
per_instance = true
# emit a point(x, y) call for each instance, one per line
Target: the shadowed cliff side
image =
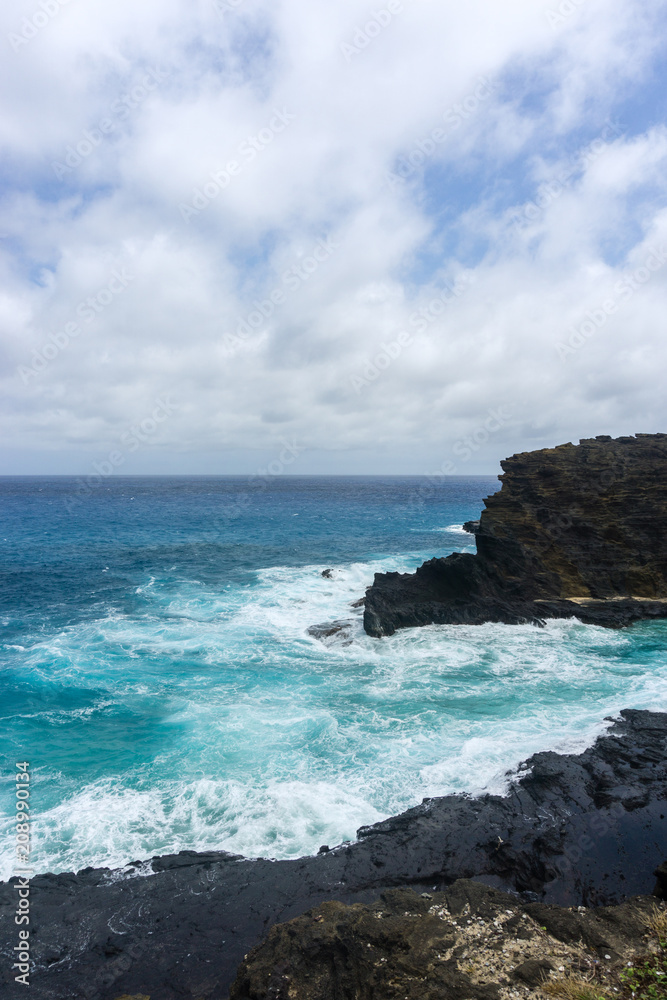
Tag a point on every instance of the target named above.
point(577, 530)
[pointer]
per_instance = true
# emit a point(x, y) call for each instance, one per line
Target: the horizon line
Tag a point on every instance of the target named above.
point(250, 475)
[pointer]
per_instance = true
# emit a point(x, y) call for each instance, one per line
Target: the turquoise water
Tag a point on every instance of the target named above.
point(157, 673)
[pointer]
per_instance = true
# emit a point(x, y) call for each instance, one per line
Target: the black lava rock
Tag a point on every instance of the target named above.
point(576, 531)
point(586, 829)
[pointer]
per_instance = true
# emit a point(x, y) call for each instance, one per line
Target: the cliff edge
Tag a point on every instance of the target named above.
point(577, 530)
point(468, 941)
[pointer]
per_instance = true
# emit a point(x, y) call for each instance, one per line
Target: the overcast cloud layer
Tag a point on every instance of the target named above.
point(366, 231)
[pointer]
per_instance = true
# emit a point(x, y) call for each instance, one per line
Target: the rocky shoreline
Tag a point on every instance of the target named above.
point(574, 830)
point(576, 531)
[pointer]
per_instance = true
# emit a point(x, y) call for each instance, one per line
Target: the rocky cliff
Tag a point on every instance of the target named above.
point(577, 530)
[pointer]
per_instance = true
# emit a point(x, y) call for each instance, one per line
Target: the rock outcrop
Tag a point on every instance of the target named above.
point(576, 531)
point(586, 829)
point(469, 941)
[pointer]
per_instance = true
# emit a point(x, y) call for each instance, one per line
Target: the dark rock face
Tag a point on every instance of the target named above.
point(469, 941)
point(389, 949)
point(587, 829)
point(660, 889)
point(574, 531)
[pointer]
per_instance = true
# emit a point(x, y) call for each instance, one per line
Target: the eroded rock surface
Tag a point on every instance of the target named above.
point(467, 942)
point(576, 531)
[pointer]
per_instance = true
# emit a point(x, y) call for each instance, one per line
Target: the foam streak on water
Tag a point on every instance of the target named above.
point(164, 687)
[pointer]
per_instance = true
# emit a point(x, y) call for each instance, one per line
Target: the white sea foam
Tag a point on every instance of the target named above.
point(115, 826)
point(261, 740)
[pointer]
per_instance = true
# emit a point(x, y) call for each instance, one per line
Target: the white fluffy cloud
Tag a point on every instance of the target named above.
point(423, 214)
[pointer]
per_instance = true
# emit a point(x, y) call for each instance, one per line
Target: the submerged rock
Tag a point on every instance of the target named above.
point(333, 633)
point(576, 531)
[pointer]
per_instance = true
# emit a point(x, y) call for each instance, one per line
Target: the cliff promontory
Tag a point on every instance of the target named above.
point(577, 530)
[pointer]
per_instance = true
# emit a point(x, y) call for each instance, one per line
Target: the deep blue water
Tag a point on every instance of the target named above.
point(157, 673)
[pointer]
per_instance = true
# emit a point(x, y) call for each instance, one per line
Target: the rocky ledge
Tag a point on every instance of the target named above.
point(573, 830)
point(576, 531)
point(468, 942)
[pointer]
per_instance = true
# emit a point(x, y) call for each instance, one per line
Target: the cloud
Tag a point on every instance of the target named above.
point(279, 140)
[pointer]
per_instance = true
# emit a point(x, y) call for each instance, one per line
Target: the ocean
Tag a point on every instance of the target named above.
point(158, 675)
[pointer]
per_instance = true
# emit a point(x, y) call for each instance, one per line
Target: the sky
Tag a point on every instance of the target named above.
point(328, 238)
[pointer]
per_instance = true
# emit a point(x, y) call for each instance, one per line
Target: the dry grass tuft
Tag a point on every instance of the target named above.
point(574, 987)
point(657, 925)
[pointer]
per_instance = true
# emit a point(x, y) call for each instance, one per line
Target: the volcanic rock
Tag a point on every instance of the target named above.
point(576, 531)
point(572, 830)
point(333, 633)
point(461, 943)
